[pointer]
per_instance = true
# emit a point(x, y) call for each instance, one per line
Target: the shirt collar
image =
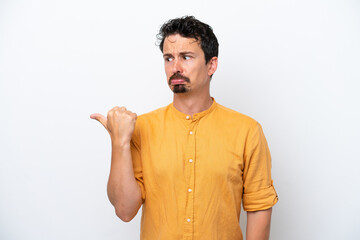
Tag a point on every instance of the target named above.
point(196, 115)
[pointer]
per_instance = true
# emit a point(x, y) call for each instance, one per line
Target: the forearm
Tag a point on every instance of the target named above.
point(258, 225)
point(123, 190)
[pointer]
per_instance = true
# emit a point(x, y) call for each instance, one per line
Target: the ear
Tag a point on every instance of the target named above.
point(212, 65)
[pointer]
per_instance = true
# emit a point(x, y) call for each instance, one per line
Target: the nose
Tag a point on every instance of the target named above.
point(177, 66)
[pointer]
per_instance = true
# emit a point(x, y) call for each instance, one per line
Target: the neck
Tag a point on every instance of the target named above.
point(190, 104)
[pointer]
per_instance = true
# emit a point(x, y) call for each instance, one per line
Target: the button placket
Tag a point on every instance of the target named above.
point(190, 178)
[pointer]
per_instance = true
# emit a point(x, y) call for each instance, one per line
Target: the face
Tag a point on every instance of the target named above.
point(185, 66)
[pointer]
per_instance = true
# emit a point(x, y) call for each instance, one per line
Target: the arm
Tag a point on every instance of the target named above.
point(258, 192)
point(258, 225)
point(123, 191)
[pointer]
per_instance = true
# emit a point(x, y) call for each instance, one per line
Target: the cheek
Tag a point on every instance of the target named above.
point(200, 72)
point(167, 70)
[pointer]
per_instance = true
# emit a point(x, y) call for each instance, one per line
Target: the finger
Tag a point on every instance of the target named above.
point(100, 118)
point(122, 108)
point(133, 115)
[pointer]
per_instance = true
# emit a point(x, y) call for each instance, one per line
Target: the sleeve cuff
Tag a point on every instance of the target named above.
point(260, 200)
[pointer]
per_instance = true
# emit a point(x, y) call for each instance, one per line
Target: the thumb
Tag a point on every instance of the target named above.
point(100, 118)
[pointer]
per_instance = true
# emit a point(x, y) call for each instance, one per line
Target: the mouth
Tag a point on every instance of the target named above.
point(177, 81)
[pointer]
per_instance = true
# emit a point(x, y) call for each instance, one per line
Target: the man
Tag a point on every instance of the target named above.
point(191, 163)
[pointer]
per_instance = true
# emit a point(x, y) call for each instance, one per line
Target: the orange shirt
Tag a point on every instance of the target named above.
point(194, 171)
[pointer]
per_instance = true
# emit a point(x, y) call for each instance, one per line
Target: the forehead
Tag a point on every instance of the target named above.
point(177, 43)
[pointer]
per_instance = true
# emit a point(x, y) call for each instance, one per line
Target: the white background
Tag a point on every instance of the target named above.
point(291, 65)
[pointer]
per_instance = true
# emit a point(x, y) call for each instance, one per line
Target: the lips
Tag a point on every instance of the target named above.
point(177, 81)
point(178, 78)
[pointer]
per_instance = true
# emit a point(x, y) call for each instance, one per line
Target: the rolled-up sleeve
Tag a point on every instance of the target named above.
point(258, 192)
point(136, 159)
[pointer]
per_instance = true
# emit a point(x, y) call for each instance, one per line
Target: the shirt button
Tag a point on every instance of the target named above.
point(189, 190)
point(188, 220)
point(190, 160)
point(187, 117)
point(190, 132)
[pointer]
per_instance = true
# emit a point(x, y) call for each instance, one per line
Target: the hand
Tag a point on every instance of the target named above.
point(120, 124)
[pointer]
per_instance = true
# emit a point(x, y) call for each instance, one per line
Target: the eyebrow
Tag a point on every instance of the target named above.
point(167, 55)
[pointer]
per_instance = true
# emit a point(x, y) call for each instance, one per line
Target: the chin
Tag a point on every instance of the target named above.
point(180, 89)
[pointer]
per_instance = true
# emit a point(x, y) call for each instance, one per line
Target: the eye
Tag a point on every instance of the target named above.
point(169, 59)
point(186, 57)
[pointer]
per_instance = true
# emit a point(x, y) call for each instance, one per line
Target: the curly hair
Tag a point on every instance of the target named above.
point(190, 27)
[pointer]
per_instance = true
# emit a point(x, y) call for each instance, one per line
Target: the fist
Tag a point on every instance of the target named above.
point(120, 124)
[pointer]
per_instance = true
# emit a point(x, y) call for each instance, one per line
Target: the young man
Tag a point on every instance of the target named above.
point(191, 163)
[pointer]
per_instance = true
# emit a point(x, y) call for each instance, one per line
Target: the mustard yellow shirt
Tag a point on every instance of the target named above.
point(194, 172)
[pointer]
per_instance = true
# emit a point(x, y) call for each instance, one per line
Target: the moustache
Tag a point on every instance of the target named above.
point(178, 76)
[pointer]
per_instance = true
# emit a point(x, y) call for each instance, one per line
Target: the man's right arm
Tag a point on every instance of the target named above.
point(123, 191)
